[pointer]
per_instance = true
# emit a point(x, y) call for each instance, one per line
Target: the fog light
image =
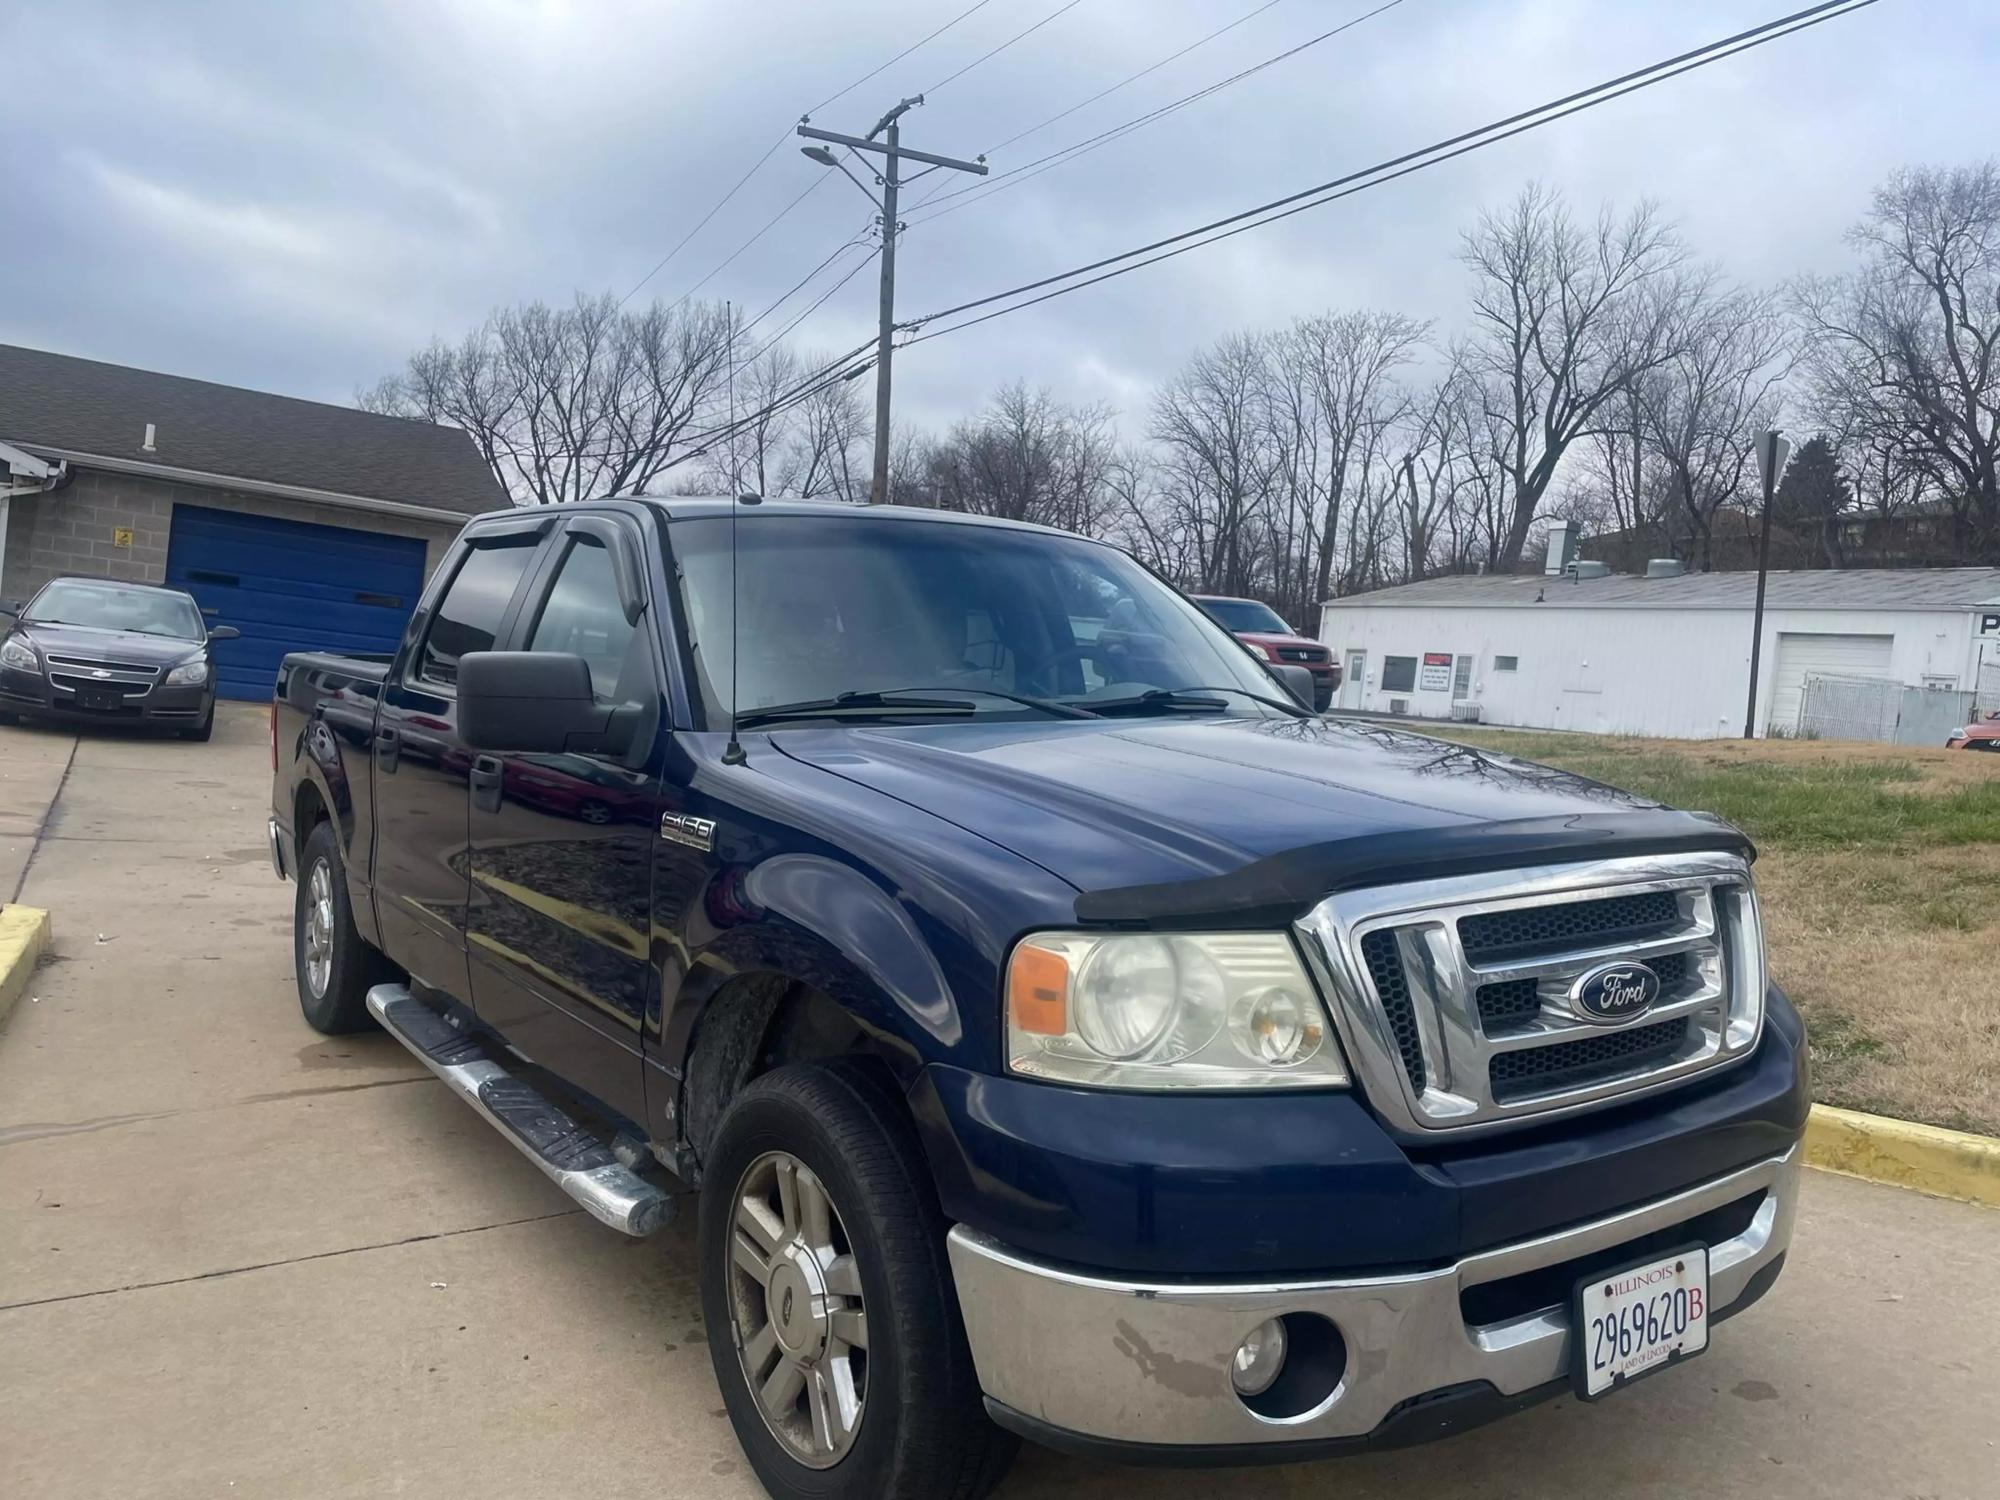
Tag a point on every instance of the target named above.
point(1259, 1359)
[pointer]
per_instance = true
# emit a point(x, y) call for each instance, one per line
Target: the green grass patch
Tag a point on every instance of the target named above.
point(1782, 804)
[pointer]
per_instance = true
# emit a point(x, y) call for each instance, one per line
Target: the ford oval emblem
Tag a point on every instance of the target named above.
point(1612, 993)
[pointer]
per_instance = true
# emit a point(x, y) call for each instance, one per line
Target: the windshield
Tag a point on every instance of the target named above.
point(855, 605)
point(1246, 614)
point(108, 606)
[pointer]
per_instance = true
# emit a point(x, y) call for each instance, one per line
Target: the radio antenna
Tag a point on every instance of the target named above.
point(732, 753)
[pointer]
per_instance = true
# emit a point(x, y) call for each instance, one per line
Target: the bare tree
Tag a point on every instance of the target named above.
point(1703, 407)
point(1026, 457)
point(567, 403)
point(1212, 425)
point(1562, 323)
point(1348, 362)
point(1905, 352)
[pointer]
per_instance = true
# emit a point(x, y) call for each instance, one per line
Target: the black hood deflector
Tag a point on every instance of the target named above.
point(1279, 889)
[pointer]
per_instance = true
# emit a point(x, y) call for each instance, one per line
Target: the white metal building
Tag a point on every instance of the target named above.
point(1657, 655)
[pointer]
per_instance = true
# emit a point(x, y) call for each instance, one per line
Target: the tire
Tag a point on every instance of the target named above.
point(921, 1432)
point(202, 730)
point(333, 993)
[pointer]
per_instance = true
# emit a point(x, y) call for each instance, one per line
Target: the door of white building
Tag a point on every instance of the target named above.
point(1353, 681)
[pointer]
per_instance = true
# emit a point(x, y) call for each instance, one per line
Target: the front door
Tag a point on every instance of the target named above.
point(558, 923)
point(1352, 683)
point(421, 865)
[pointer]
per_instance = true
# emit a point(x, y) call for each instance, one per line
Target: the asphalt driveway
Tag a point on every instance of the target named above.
point(237, 1258)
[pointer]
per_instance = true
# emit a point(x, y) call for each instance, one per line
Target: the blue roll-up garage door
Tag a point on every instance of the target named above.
point(290, 586)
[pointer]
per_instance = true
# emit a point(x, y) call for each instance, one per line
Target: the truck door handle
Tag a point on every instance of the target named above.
point(388, 746)
point(488, 776)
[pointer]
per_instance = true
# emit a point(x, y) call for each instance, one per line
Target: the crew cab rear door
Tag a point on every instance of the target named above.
point(558, 924)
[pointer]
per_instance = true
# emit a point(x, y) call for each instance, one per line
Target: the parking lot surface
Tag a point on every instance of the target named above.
point(238, 1258)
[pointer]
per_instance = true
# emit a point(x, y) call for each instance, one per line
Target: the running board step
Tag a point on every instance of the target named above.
point(568, 1153)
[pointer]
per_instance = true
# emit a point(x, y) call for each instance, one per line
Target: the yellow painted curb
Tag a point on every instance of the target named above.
point(1943, 1163)
point(24, 933)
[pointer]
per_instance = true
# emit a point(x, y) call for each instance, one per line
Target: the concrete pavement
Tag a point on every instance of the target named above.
point(237, 1258)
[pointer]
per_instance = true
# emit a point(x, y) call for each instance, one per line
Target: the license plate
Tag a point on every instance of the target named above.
point(102, 700)
point(1639, 1319)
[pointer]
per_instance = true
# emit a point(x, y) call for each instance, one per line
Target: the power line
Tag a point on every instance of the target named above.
point(771, 149)
point(833, 98)
point(681, 243)
point(1390, 170)
point(1061, 10)
point(1022, 135)
point(852, 271)
point(1015, 176)
point(838, 250)
point(769, 224)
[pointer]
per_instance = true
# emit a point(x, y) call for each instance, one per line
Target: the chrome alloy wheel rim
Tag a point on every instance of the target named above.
point(319, 928)
point(795, 1303)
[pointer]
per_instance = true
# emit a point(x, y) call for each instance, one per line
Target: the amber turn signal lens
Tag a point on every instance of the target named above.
point(1038, 990)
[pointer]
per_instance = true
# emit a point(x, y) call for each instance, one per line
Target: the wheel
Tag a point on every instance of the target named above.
point(204, 729)
point(833, 1322)
point(595, 812)
point(335, 966)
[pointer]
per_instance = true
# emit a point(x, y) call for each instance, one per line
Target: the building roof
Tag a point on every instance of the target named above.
point(84, 409)
point(1821, 588)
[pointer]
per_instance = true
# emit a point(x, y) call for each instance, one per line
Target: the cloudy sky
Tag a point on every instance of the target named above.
point(292, 196)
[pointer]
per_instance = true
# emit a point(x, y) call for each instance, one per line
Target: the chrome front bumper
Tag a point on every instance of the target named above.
point(1125, 1363)
point(275, 836)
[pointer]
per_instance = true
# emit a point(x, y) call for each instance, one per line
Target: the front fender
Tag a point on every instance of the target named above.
point(816, 921)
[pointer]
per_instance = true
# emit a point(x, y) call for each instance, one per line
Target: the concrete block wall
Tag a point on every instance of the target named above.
point(72, 530)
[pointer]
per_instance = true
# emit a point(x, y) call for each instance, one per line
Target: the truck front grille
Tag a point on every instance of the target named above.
point(1458, 1003)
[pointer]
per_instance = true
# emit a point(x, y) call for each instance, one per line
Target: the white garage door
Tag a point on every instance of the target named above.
point(1805, 654)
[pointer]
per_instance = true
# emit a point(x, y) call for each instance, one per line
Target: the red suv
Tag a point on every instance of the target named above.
point(1257, 625)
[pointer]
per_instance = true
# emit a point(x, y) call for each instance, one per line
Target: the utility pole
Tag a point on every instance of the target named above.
point(1771, 452)
point(891, 180)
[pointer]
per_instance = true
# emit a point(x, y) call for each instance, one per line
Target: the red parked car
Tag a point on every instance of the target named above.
point(1983, 735)
point(1257, 625)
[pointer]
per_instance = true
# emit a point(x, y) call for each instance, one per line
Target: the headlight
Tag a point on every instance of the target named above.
point(16, 652)
point(1230, 1010)
point(188, 674)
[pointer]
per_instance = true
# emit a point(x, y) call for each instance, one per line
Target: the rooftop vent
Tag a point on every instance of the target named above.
point(1562, 548)
point(1584, 568)
point(1665, 567)
point(147, 446)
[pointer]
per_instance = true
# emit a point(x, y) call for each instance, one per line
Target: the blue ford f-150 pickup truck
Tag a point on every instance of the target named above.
point(1068, 1035)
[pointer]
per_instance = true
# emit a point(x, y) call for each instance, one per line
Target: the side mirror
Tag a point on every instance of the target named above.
point(224, 633)
point(528, 701)
point(12, 607)
point(1296, 679)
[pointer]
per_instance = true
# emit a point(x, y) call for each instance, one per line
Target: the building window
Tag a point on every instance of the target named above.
point(1506, 663)
point(1399, 674)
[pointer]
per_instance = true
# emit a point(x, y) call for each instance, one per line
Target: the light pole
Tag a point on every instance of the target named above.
point(890, 178)
point(1772, 449)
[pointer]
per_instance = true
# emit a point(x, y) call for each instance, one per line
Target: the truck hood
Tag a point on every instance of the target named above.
point(1186, 818)
point(110, 645)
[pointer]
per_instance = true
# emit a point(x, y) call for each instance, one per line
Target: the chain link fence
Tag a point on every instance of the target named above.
point(1878, 708)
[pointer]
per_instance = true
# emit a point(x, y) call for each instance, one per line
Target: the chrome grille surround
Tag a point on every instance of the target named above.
point(77, 674)
point(1719, 995)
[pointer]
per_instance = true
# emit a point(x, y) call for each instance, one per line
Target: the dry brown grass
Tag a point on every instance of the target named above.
point(1895, 962)
point(1880, 877)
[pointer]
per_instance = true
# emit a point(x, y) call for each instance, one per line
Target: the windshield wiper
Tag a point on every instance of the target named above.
point(893, 702)
point(1191, 697)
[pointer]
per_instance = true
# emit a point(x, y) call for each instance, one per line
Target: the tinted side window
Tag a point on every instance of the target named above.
point(583, 616)
point(468, 617)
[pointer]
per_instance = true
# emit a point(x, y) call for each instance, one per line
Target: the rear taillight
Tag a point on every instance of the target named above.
point(274, 736)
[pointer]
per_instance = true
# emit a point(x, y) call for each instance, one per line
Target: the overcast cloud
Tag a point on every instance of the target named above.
point(293, 196)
